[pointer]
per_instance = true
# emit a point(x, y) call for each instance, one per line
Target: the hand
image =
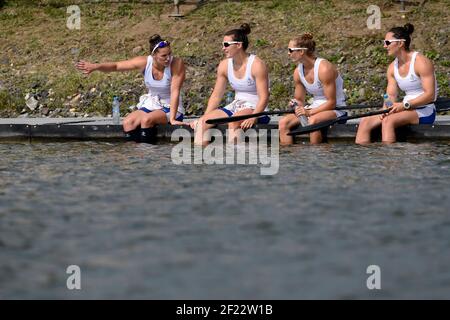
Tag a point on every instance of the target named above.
point(294, 103)
point(301, 111)
point(246, 124)
point(193, 124)
point(175, 122)
point(397, 107)
point(85, 67)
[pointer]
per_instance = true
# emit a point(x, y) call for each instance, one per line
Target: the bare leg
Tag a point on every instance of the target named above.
point(234, 128)
point(316, 136)
point(133, 120)
point(153, 118)
point(148, 134)
point(365, 127)
point(201, 130)
point(285, 125)
point(393, 121)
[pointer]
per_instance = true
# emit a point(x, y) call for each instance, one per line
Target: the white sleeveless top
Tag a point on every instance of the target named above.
point(160, 88)
point(411, 84)
point(244, 88)
point(316, 88)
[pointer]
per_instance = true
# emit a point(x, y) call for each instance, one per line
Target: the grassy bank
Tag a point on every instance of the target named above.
point(38, 51)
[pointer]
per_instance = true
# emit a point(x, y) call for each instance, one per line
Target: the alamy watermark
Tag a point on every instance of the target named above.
point(74, 280)
point(374, 20)
point(374, 280)
point(218, 152)
point(74, 20)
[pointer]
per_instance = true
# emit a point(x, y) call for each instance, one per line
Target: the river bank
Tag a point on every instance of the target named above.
point(38, 51)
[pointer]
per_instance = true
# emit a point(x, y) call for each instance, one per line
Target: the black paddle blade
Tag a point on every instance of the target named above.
point(315, 127)
point(442, 104)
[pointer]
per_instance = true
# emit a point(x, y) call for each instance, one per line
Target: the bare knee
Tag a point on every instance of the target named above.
point(234, 125)
point(364, 125)
point(284, 125)
point(129, 124)
point(312, 121)
point(147, 122)
point(387, 123)
point(363, 122)
point(202, 123)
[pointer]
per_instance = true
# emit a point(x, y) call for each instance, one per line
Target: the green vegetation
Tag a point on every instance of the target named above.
point(38, 51)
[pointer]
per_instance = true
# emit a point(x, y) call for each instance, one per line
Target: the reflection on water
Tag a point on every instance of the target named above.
point(141, 227)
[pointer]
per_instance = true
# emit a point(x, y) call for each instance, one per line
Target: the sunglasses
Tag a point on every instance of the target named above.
point(160, 45)
point(226, 44)
point(388, 42)
point(296, 49)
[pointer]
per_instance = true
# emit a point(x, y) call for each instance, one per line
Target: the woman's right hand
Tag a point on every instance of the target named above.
point(294, 103)
point(85, 67)
point(300, 111)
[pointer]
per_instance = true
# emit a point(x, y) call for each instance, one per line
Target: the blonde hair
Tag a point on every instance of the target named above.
point(306, 41)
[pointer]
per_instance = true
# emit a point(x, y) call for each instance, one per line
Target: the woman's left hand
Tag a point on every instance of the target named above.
point(246, 124)
point(178, 123)
point(397, 107)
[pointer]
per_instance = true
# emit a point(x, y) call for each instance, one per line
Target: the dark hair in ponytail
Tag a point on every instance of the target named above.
point(154, 40)
point(403, 33)
point(240, 34)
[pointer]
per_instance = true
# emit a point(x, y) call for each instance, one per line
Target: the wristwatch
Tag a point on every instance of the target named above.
point(406, 105)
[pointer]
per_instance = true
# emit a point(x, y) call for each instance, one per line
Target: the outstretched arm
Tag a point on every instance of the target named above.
point(137, 63)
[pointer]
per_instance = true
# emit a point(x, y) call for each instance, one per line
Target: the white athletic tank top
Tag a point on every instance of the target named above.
point(411, 84)
point(316, 88)
point(160, 88)
point(244, 88)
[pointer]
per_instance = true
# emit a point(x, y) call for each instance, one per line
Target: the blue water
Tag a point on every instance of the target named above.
point(139, 226)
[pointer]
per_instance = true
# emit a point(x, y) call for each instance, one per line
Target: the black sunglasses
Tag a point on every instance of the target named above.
point(388, 42)
point(296, 49)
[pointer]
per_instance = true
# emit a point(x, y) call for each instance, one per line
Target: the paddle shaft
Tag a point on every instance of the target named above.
point(319, 126)
point(269, 113)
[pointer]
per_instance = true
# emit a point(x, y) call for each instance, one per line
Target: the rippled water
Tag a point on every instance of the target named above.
point(141, 227)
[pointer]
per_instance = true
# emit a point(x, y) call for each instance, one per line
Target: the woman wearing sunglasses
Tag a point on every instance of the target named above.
point(317, 77)
point(248, 76)
point(164, 76)
point(414, 74)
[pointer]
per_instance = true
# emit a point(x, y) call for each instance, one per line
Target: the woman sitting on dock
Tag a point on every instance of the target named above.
point(164, 76)
point(317, 77)
point(414, 74)
point(248, 76)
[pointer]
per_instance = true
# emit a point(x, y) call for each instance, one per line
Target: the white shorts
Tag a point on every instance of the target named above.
point(318, 103)
point(426, 111)
point(238, 105)
point(149, 103)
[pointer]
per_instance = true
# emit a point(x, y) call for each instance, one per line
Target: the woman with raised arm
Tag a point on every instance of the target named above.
point(414, 74)
point(317, 77)
point(249, 78)
point(163, 75)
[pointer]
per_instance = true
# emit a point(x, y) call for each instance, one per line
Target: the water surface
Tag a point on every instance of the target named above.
point(141, 227)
